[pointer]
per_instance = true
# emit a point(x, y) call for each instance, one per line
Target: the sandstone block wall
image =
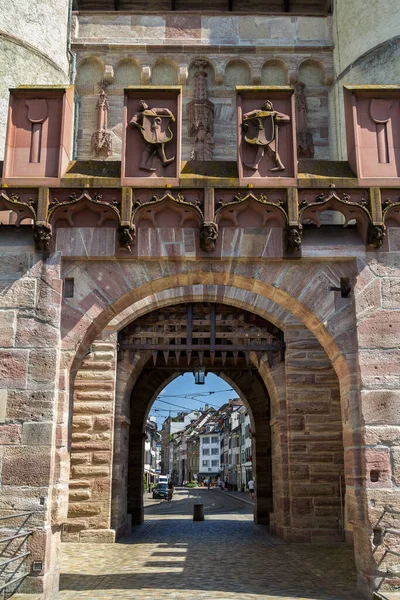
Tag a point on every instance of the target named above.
point(375, 453)
point(30, 306)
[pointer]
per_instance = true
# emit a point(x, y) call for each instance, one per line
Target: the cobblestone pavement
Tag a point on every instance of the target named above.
point(226, 557)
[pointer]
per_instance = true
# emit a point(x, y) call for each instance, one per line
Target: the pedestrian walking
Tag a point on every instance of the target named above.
point(251, 487)
point(170, 490)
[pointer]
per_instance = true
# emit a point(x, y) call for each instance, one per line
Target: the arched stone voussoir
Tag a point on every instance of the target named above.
point(230, 288)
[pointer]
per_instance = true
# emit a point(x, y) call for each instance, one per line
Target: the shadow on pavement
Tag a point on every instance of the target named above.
point(221, 556)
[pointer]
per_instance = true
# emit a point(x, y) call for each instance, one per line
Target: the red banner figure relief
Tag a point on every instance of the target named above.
point(261, 128)
point(154, 125)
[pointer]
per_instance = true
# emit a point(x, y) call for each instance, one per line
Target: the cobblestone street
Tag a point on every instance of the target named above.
point(225, 557)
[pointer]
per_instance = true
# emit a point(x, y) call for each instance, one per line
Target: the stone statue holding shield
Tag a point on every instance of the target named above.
point(261, 129)
point(154, 125)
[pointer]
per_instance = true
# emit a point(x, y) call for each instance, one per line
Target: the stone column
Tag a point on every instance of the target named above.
point(89, 510)
point(376, 446)
point(30, 301)
point(280, 518)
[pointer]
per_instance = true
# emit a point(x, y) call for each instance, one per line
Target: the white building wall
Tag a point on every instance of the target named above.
point(210, 452)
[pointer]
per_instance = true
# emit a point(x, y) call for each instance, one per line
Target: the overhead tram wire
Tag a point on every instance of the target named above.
point(184, 407)
point(197, 394)
point(172, 404)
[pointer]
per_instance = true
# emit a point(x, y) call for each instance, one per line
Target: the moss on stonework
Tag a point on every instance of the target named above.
point(94, 168)
point(324, 168)
point(209, 168)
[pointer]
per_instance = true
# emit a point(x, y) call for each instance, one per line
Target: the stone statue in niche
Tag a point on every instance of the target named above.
point(208, 236)
point(154, 126)
point(101, 138)
point(305, 142)
point(201, 117)
point(380, 113)
point(261, 129)
point(37, 114)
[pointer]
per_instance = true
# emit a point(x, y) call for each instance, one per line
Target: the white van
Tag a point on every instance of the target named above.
point(162, 479)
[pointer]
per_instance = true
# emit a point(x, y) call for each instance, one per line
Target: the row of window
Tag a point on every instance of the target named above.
point(206, 451)
point(214, 463)
point(214, 440)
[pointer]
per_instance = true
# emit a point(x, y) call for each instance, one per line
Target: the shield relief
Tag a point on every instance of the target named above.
point(156, 128)
point(260, 130)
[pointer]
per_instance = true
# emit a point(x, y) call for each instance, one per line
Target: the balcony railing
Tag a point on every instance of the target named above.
point(13, 555)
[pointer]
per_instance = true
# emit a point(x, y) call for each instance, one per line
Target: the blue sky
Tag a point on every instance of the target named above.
point(183, 385)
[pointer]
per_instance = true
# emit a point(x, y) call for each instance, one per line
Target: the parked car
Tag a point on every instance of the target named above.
point(162, 491)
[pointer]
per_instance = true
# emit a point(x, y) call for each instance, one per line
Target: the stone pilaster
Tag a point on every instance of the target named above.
point(314, 442)
point(376, 447)
point(89, 510)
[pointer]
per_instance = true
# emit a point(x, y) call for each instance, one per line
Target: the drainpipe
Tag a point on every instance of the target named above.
point(70, 55)
point(72, 74)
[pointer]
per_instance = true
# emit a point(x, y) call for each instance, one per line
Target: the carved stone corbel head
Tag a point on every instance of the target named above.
point(126, 236)
point(293, 236)
point(42, 236)
point(208, 236)
point(376, 235)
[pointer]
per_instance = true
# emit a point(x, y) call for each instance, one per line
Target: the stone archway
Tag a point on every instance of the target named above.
point(307, 460)
point(252, 391)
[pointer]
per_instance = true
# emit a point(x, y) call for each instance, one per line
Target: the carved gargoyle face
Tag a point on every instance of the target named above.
point(208, 236)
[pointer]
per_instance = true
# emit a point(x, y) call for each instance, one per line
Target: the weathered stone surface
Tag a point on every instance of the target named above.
point(101, 458)
point(3, 405)
point(102, 423)
point(396, 464)
point(30, 405)
point(10, 434)
point(81, 437)
point(377, 464)
point(42, 367)
point(37, 434)
point(26, 466)
point(90, 471)
point(76, 495)
point(82, 422)
point(381, 407)
point(13, 368)
point(80, 458)
point(36, 334)
point(92, 407)
point(101, 536)
point(14, 266)
point(84, 509)
point(7, 328)
point(380, 331)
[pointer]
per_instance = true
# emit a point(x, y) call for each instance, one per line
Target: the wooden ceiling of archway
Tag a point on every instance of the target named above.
point(202, 333)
